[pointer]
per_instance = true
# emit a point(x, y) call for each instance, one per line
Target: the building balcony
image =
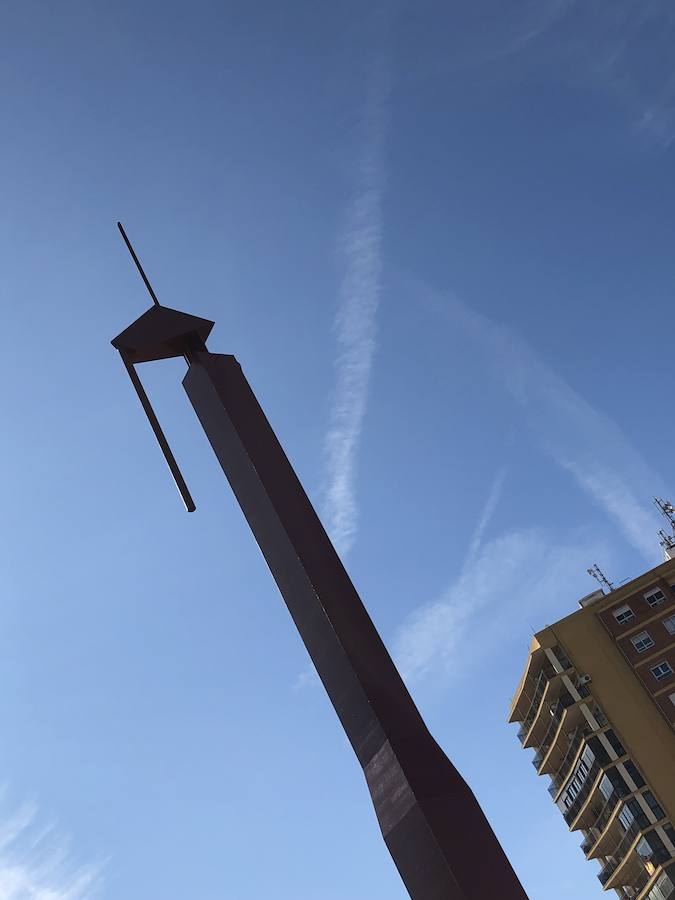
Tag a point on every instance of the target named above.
point(555, 700)
point(576, 815)
point(602, 834)
point(562, 743)
point(660, 886)
point(639, 865)
point(568, 745)
point(618, 844)
point(520, 701)
point(591, 803)
point(538, 692)
point(538, 661)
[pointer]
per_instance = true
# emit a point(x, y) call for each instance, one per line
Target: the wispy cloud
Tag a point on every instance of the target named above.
point(621, 45)
point(510, 575)
point(35, 864)
point(308, 678)
point(355, 324)
point(582, 440)
point(434, 630)
point(488, 511)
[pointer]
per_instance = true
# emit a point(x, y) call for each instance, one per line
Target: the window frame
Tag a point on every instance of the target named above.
point(639, 638)
point(670, 618)
point(650, 593)
point(620, 611)
point(666, 674)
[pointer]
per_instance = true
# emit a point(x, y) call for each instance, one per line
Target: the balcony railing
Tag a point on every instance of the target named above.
point(640, 881)
point(619, 853)
point(588, 841)
point(571, 812)
point(560, 776)
point(602, 817)
point(557, 710)
point(664, 887)
point(641, 867)
point(546, 674)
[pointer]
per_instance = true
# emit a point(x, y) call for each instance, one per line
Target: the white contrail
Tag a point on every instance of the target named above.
point(432, 630)
point(582, 440)
point(499, 591)
point(355, 323)
point(34, 864)
point(488, 511)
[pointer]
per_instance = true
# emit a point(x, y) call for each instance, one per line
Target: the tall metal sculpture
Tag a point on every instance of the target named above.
point(437, 834)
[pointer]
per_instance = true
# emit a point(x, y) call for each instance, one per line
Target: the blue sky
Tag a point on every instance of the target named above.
point(438, 237)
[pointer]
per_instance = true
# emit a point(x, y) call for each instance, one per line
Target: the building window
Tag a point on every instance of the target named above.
point(663, 889)
point(606, 787)
point(670, 624)
point(562, 658)
point(662, 670)
point(642, 641)
point(655, 597)
point(652, 803)
point(672, 699)
point(632, 770)
point(652, 850)
point(615, 743)
point(626, 817)
point(623, 614)
point(670, 833)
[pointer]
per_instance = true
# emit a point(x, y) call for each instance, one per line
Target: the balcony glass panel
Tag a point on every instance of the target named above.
point(543, 679)
point(619, 853)
point(580, 798)
point(559, 777)
point(650, 799)
point(663, 889)
point(558, 707)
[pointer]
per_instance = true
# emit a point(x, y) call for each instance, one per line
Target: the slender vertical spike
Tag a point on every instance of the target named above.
point(138, 264)
point(159, 434)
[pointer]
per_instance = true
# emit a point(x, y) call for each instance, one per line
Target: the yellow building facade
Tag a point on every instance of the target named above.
point(596, 702)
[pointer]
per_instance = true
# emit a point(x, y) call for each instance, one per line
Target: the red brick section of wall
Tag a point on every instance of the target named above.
point(657, 631)
point(646, 676)
point(650, 619)
point(641, 609)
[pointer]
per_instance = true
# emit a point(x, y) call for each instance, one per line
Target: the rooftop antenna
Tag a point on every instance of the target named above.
point(437, 834)
point(596, 572)
point(666, 540)
point(667, 510)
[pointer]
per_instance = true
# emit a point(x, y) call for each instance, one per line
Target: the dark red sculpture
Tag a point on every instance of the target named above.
point(435, 830)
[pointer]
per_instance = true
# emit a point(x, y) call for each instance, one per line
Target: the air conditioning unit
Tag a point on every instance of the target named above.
point(583, 679)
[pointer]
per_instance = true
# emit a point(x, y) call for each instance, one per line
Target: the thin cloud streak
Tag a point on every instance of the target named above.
point(512, 576)
point(488, 511)
point(434, 630)
point(34, 864)
point(582, 440)
point(604, 42)
point(355, 324)
point(308, 678)
point(599, 45)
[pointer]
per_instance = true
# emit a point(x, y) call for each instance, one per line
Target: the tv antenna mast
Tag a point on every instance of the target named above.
point(596, 572)
point(667, 511)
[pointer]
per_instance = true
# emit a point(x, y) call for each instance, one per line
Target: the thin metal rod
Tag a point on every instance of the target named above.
point(159, 434)
point(138, 264)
